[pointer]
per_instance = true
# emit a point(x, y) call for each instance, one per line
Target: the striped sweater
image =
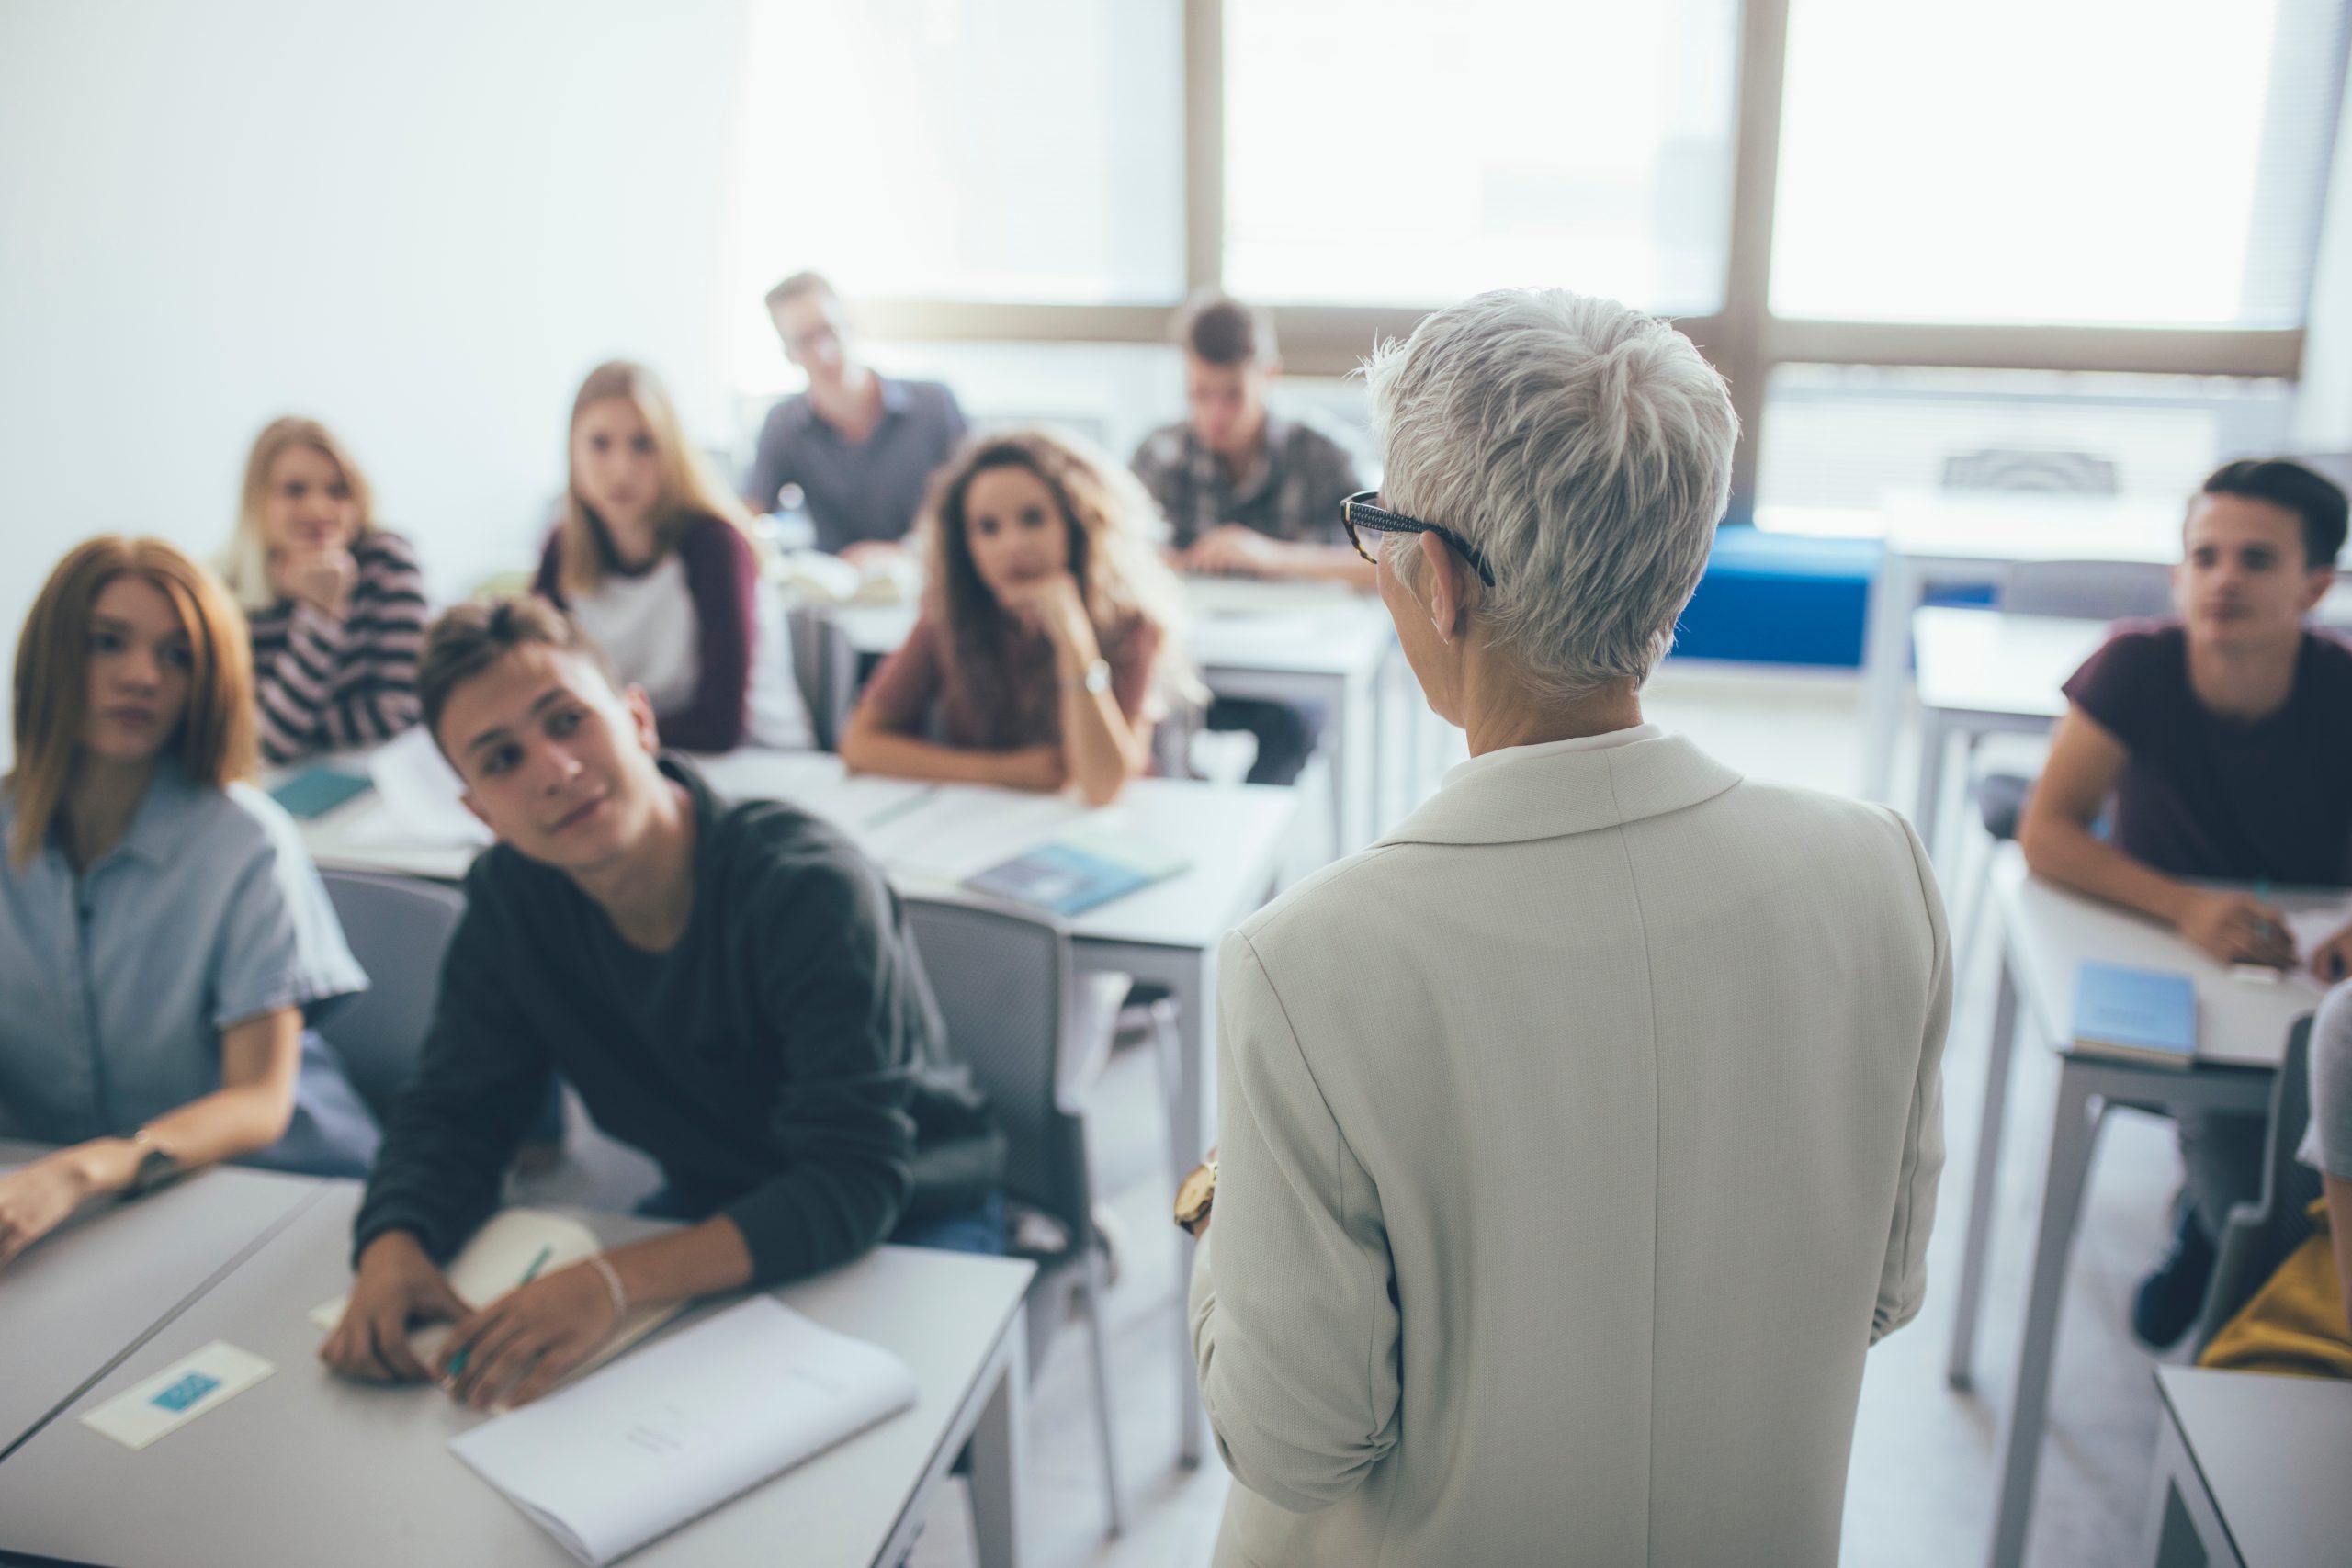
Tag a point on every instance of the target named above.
point(325, 685)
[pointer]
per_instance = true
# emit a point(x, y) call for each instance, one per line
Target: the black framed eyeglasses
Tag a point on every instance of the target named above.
point(1358, 514)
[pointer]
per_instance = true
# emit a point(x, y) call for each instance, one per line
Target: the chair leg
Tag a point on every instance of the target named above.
point(1098, 1352)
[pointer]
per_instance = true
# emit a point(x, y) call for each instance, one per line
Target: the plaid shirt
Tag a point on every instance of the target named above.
point(1294, 494)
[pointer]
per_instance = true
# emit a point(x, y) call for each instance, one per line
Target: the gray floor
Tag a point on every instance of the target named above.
point(1920, 1489)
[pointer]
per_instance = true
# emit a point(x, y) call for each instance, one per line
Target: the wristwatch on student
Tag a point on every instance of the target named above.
point(1195, 1196)
point(157, 1168)
point(1097, 679)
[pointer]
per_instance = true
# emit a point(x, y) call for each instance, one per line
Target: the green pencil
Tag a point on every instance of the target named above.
point(529, 1275)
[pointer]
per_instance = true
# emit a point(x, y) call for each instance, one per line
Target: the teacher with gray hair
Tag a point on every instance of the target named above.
point(1581, 1136)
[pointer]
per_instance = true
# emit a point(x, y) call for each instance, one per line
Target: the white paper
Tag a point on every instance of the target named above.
point(667, 1434)
point(964, 832)
point(178, 1394)
point(422, 793)
point(513, 1244)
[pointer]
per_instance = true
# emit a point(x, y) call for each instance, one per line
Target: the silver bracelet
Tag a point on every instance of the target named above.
point(597, 1261)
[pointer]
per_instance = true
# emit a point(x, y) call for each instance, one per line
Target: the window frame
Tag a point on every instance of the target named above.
point(1744, 338)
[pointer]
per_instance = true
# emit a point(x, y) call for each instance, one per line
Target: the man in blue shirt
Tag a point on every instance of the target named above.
point(860, 447)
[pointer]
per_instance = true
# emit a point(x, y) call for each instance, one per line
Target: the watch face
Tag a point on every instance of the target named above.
point(1195, 1194)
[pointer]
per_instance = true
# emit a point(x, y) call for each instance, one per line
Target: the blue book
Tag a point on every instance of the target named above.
point(2141, 1015)
point(318, 789)
point(1075, 873)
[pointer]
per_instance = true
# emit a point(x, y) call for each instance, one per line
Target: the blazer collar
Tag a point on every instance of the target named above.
point(1514, 799)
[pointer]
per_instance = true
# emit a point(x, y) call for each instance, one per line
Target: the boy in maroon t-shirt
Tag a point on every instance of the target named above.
point(2224, 741)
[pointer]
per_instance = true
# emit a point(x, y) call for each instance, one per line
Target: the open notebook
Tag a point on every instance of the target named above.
point(650, 1443)
point(512, 1245)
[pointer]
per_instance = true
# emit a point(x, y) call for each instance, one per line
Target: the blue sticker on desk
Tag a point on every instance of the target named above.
point(185, 1392)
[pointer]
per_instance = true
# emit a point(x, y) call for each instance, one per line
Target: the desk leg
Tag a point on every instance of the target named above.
point(2071, 1136)
point(1935, 761)
point(1986, 1180)
point(1193, 1127)
point(1190, 977)
point(997, 1444)
point(1886, 658)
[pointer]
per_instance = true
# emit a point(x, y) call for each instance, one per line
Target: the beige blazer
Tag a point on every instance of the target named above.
point(1578, 1137)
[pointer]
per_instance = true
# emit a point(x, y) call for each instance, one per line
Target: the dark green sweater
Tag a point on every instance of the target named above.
point(776, 1063)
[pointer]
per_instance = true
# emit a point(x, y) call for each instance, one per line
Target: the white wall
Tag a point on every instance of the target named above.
point(419, 222)
point(2324, 411)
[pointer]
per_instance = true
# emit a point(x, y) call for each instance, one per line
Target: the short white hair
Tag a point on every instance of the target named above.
point(1584, 447)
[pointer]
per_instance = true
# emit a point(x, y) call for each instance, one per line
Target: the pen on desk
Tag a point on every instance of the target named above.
point(458, 1365)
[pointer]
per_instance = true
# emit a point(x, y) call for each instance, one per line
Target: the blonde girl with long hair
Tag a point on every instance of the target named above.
point(1046, 648)
point(335, 598)
point(164, 942)
point(655, 560)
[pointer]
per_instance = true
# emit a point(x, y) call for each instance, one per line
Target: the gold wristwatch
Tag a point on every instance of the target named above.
point(1194, 1195)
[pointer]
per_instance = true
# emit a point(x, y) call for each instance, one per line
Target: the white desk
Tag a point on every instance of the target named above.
point(1167, 934)
point(304, 1468)
point(90, 1293)
point(1983, 672)
point(1306, 644)
point(2242, 1034)
point(1954, 539)
point(2250, 1470)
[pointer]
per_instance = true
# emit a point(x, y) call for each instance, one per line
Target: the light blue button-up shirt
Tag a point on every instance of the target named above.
point(116, 985)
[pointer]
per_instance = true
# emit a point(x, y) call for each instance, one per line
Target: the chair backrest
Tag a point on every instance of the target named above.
point(2260, 1234)
point(2087, 590)
point(397, 929)
point(1007, 988)
point(2065, 473)
point(827, 668)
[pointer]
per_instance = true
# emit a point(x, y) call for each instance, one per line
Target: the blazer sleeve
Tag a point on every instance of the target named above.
point(1293, 1312)
point(1903, 1278)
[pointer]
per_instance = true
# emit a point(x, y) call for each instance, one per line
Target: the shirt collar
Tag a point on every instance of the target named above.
point(1506, 754)
point(156, 830)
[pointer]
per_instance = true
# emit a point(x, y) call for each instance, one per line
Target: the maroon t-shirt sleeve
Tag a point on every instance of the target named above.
point(723, 581)
point(548, 583)
point(900, 694)
point(2128, 686)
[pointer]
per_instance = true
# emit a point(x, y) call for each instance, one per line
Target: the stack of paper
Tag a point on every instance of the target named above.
point(421, 794)
point(661, 1439)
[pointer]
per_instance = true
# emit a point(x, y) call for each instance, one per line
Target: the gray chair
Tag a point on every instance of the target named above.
point(2017, 469)
point(1035, 1034)
point(2260, 1234)
point(826, 667)
point(398, 928)
point(2106, 590)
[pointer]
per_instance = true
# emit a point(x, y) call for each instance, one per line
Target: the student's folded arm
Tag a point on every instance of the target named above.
point(1903, 1278)
point(478, 1084)
point(2085, 760)
point(1295, 1325)
point(880, 737)
point(836, 971)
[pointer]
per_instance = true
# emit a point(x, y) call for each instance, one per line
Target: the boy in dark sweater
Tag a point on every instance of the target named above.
point(731, 989)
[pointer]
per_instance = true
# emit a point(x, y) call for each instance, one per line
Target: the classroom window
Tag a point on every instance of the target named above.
point(1840, 437)
point(956, 150)
point(1383, 152)
point(2058, 162)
